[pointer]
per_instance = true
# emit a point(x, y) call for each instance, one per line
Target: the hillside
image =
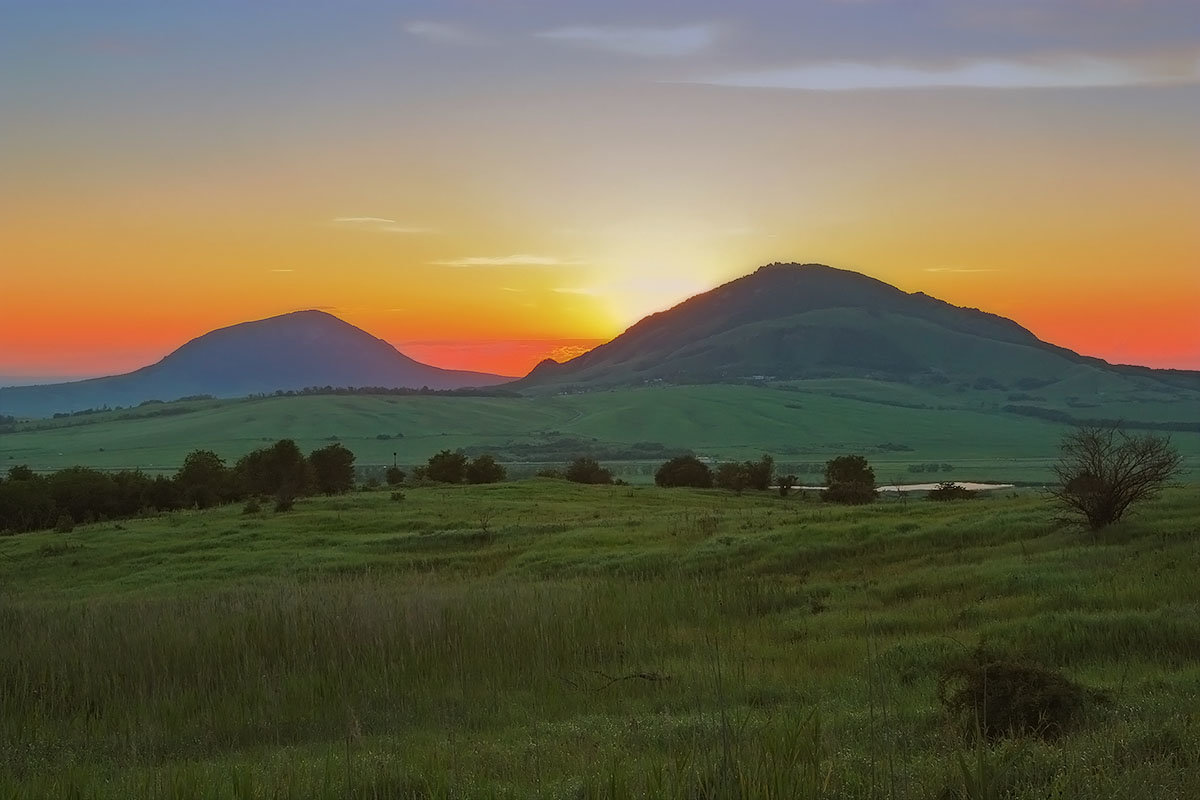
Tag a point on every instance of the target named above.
point(291, 351)
point(633, 429)
point(789, 321)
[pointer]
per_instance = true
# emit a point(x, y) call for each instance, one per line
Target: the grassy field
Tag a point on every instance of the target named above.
point(544, 640)
point(806, 422)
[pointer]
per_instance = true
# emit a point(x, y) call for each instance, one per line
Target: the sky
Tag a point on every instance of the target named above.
point(485, 183)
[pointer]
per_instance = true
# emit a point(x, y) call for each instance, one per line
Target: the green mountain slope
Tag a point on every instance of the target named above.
point(788, 321)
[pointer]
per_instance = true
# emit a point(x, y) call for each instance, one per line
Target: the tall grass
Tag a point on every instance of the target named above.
point(790, 651)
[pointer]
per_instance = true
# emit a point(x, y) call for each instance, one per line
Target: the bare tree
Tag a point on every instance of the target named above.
point(1102, 471)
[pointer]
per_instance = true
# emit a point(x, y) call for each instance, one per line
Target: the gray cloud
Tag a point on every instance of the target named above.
point(1051, 72)
point(638, 41)
point(441, 32)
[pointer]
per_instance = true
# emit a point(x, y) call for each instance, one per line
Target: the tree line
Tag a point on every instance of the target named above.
point(1102, 471)
point(62, 499)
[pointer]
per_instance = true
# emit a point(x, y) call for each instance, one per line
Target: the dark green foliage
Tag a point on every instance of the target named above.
point(586, 469)
point(849, 480)
point(759, 473)
point(737, 476)
point(394, 476)
point(949, 490)
point(203, 480)
point(1102, 471)
point(1007, 697)
point(284, 502)
point(446, 467)
point(684, 471)
point(550, 472)
point(252, 506)
point(732, 476)
point(786, 482)
point(64, 524)
point(484, 469)
point(20, 472)
point(29, 501)
point(278, 469)
point(332, 469)
point(397, 497)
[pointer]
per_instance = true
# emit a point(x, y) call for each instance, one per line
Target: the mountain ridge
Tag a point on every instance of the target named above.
point(792, 321)
point(291, 351)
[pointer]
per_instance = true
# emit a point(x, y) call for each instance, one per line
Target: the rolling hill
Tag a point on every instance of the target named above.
point(290, 351)
point(790, 321)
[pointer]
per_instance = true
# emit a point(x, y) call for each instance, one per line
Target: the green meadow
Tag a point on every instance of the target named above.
point(804, 422)
point(539, 639)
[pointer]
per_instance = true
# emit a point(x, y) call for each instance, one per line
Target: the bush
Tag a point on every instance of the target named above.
point(394, 476)
point(484, 469)
point(850, 480)
point(731, 476)
point(587, 470)
point(446, 467)
point(949, 490)
point(1005, 697)
point(1102, 471)
point(684, 471)
point(253, 506)
point(278, 469)
point(397, 496)
point(738, 476)
point(550, 472)
point(332, 469)
point(284, 502)
point(65, 524)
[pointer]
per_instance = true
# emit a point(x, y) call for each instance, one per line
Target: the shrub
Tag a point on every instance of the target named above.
point(738, 476)
point(484, 469)
point(550, 472)
point(203, 480)
point(253, 506)
point(684, 471)
point(731, 476)
point(949, 490)
point(65, 524)
point(1102, 471)
point(280, 468)
point(284, 502)
point(447, 467)
point(850, 480)
point(397, 496)
point(587, 470)
point(1007, 697)
point(394, 476)
point(332, 469)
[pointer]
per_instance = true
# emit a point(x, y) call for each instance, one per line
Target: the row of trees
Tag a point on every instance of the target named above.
point(453, 466)
point(29, 501)
point(848, 479)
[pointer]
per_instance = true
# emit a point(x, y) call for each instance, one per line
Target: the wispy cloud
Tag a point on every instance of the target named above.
point(957, 269)
point(647, 42)
point(283, 270)
point(1050, 72)
point(441, 32)
point(517, 260)
point(380, 224)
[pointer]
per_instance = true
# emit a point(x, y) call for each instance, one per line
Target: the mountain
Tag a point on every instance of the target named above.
point(791, 321)
point(291, 351)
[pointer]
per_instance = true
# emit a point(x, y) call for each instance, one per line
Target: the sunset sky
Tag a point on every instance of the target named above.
point(485, 183)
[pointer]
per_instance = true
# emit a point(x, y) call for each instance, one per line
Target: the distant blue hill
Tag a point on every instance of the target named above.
point(291, 351)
